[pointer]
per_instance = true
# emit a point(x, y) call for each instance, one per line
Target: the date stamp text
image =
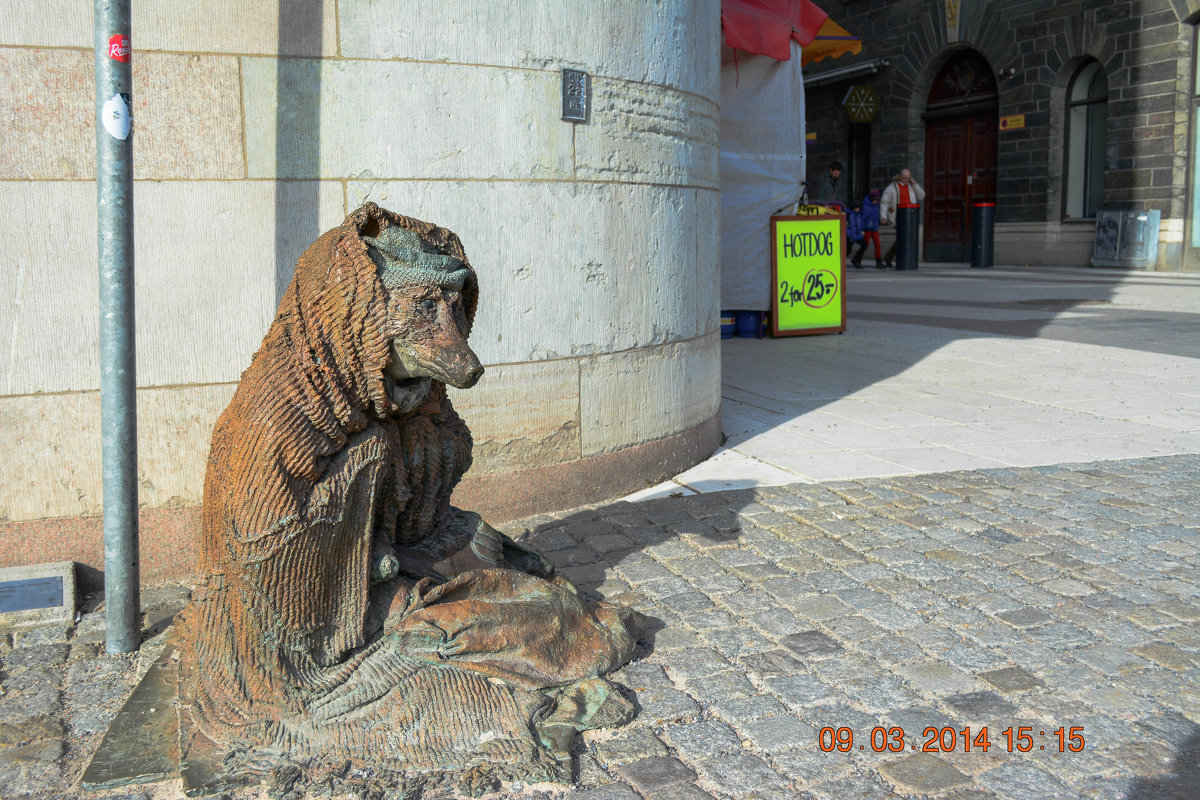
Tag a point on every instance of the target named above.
point(1022, 739)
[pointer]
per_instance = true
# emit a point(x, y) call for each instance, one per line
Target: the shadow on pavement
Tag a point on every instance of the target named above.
point(1184, 781)
point(635, 539)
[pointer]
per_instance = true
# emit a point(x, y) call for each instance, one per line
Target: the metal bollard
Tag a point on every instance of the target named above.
point(983, 226)
point(908, 236)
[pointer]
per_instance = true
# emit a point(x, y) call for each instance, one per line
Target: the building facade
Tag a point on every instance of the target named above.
point(1053, 110)
point(259, 124)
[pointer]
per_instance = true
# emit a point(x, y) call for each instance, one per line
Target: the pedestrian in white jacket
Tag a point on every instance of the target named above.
point(901, 191)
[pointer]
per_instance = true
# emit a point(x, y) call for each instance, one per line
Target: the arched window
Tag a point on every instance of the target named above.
point(1087, 118)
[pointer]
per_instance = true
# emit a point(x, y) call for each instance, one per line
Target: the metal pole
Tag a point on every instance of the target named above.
point(118, 399)
point(908, 236)
point(983, 243)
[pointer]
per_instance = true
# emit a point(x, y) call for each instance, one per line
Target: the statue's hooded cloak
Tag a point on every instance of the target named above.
point(312, 467)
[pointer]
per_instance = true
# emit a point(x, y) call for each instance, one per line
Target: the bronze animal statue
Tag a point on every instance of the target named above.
point(350, 614)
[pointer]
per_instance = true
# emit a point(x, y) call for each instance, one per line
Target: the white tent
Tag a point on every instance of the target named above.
point(762, 166)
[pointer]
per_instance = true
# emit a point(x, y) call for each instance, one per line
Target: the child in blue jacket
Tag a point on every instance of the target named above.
point(854, 231)
point(868, 216)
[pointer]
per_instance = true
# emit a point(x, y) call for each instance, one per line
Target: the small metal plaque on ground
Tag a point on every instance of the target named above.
point(38, 594)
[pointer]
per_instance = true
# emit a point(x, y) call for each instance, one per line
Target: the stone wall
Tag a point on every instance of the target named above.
point(258, 126)
point(1145, 48)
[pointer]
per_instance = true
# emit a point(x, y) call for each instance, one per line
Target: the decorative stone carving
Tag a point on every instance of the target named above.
point(352, 622)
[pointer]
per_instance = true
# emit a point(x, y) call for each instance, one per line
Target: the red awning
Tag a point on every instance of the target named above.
point(764, 27)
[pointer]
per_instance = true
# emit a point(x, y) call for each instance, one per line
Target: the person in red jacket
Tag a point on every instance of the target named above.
point(903, 190)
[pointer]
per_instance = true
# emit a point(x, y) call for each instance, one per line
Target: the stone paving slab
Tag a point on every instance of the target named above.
point(952, 368)
point(821, 641)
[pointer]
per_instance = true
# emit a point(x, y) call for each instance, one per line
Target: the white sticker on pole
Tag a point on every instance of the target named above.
point(116, 117)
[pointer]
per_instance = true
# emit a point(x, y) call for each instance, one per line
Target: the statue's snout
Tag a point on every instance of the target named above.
point(463, 369)
point(442, 353)
point(472, 377)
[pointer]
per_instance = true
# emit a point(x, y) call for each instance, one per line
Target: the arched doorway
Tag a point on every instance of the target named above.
point(961, 119)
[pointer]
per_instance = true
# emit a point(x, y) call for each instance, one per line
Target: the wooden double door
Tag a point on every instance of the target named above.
point(961, 127)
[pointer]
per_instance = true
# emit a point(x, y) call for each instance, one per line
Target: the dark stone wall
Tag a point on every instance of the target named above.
point(1144, 45)
point(902, 31)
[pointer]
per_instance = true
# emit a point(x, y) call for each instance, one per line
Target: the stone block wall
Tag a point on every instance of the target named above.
point(260, 125)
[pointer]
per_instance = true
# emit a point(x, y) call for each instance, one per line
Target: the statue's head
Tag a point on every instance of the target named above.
point(382, 305)
point(426, 289)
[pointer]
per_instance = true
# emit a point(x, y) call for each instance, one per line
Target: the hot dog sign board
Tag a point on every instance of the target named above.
point(808, 271)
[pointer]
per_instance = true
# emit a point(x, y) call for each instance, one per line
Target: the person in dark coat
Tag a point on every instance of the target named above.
point(829, 186)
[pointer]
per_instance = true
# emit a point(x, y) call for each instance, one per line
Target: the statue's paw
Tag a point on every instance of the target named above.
point(487, 548)
point(526, 560)
point(417, 564)
point(466, 560)
point(493, 549)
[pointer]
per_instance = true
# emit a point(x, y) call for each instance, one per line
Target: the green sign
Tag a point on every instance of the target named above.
point(808, 271)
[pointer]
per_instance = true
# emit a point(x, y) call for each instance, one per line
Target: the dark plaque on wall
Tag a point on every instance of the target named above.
point(574, 95)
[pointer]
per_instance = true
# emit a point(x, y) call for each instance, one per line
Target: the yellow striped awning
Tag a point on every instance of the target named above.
point(832, 41)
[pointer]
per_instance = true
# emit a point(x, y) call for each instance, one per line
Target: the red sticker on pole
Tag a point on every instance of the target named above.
point(118, 48)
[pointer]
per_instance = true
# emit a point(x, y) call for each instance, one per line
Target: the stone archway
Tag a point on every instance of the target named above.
point(961, 117)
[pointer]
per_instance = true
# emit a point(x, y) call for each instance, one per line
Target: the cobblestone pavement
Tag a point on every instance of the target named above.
point(1026, 598)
